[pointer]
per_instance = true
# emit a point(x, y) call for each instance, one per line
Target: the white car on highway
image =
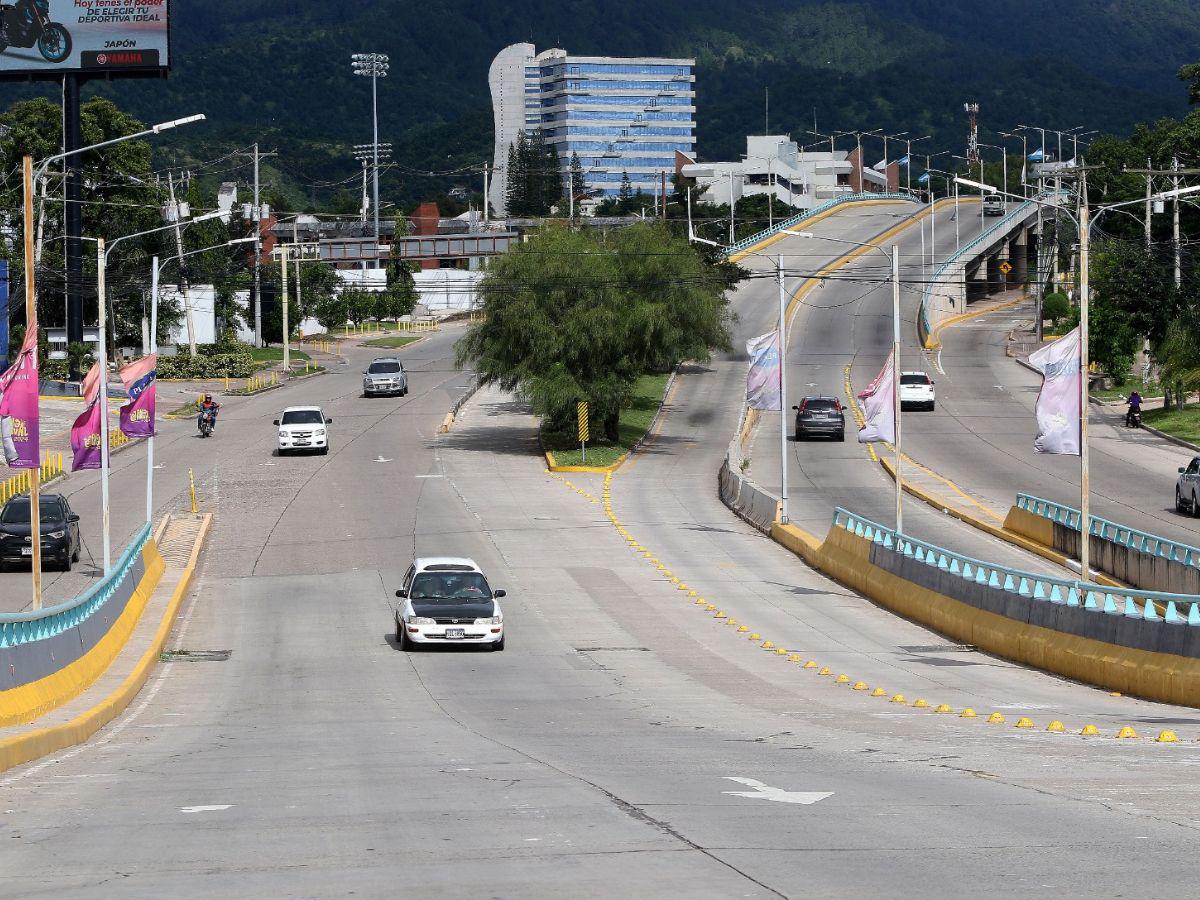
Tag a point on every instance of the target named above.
point(447, 600)
point(916, 391)
point(303, 428)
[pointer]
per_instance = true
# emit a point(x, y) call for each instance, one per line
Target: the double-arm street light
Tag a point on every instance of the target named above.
point(373, 66)
point(1085, 221)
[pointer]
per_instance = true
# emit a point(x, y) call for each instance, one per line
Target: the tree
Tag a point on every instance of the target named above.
point(1055, 307)
point(515, 188)
point(400, 298)
point(361, 305)
point(574, 315)
point(578, 188)
point(625, 194)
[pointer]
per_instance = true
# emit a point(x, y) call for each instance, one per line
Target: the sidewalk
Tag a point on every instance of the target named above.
point(76, 721)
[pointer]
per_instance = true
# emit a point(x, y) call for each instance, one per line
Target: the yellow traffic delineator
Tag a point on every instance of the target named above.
point(692, 593)
point(1127, 732)
point(719, 614)
point(811, 664)
point(920, 703)
point(825, 670)
point(731, 621)
point(795, 658)
point(767, 645)
point(1056, 726)
point(897, 698)
point(879, 692)
point(967, 713)
point(710, 606)
point(1089, 730)
point(842, 679)
point(859, 686)
point(781, 651)
point(682, 587)
point(943, 708)
point(742, 628)
point(1167, 737)
point(700, 601)
point(996, 719)
point(755, 636)
point(1024, 722)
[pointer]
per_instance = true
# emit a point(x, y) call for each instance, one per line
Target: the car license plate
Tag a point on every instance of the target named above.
point(301, 443)
point(455, 634)
point(27, 551)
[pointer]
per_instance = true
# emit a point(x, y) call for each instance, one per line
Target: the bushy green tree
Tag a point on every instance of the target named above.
point(1055, 307)
point(578, 315)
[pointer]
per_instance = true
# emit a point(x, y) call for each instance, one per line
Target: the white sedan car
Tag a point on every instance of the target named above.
point(916, 391)
point(447, 600)
point(303, 428)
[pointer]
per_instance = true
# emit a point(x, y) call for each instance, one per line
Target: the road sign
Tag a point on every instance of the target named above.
point(581, 409)
point(1006, 267)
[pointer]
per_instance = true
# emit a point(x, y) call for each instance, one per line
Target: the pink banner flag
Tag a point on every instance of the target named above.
point(137, 416)
point(85, 433)
point(762, 381)
point(879, 407)
point(1058, 401)
point(19, 406)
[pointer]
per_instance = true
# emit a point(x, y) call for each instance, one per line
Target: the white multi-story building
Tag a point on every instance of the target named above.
point(622, 117)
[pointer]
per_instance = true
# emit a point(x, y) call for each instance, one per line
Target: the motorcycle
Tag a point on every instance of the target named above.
point(206, 422)
point(1133, 419)
point(27, 22)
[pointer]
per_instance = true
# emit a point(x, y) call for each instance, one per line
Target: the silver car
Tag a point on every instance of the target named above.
point(385, 376)
point(1187, 488)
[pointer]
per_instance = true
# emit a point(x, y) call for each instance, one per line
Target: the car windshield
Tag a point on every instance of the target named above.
point(383, 368)
point(302, 417)
point(822, 405)
point(16, 512)
point(914, 379)
point(459, 586)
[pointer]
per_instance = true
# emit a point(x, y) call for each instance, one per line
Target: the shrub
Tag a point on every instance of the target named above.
point(1055, 307)
point(211, 365)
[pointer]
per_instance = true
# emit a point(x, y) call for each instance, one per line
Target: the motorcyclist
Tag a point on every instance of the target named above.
point(1135, 408)
point(208, 407)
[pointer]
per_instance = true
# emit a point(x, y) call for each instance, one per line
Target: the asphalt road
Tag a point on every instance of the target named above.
point(625, 744)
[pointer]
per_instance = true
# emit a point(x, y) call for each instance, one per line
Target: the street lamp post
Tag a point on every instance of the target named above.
point(373, 66)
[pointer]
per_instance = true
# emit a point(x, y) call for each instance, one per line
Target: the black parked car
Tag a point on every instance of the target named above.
point(60, 531)
point(820, 417)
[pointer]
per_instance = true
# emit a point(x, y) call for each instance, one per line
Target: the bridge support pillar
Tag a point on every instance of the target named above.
point(1018, 256)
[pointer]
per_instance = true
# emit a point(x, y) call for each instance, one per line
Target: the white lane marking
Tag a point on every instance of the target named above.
point(937, 363)
point(779, 795)
point(380, 459)
point(196, 809)
point(428, 476)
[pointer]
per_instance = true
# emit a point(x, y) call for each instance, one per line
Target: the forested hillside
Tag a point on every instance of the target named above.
point(903, 65)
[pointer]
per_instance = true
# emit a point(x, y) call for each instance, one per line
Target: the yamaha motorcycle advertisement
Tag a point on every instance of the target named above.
point(87, 36)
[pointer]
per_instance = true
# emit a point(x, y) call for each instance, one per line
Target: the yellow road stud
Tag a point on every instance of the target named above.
point(1167, 737)
point(755, 636)
point(879, 692)
point(795, 657)
point(825, 670)
point(780, 651)
point(859, 686)
point(996, 719)
point(1056, 726)
point(811, 664)
point(742, 628)
point(680, 586)
point(967, 713)
point(768, 645)
point(1089, 730)
point(692, 593)
point(718, 615)
point(710, 607)
point(897, 698)
point(943, 708)
point(920, 703)
point(731, 621)
point(1127, 732)
point(700, 601)
point(1024, 722)
point(842, 679)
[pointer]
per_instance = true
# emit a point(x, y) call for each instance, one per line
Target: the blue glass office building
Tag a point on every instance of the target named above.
point(620, 115)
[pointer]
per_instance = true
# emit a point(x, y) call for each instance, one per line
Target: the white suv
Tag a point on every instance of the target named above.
point(916, 391)
point(1187, 488)
point(303, 428)
point(447, 600)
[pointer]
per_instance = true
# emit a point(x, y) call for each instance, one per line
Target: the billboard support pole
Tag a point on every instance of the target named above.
point(73, 215)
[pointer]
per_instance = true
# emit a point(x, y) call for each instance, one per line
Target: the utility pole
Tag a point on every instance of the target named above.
point(1149, 191)
point(1175, 224)
point(256, 213)
point(1174, 173)
point(486, 202)
point(664, 196)
point(183, 286)
point(1084, 486)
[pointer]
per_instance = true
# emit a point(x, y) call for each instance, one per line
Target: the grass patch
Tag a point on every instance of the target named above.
point(394, 342)
point(636, 417)
point(1152, 389)
point(1184, 425)
point(191, 408)
point(301, 373)
point(275, 354)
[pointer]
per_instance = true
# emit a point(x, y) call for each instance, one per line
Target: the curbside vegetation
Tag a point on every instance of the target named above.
point(41, 742)
point(636, 420)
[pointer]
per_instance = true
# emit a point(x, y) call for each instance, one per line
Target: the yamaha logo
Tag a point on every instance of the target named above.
point(102, 59)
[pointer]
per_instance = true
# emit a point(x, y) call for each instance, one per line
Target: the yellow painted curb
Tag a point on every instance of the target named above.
point(934, 343)
point(24, 748)
point(555, 467)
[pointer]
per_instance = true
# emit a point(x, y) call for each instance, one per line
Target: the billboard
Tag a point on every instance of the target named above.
point(87, 37)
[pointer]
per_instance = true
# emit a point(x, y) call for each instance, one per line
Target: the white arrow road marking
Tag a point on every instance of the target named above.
point(779, 795)
point(380, 459)
point(196, 809)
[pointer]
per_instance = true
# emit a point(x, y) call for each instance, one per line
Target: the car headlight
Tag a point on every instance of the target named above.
point(320, 432)
point(57, 534)
point(419, 620)
point(283, 434)
point(491, 620)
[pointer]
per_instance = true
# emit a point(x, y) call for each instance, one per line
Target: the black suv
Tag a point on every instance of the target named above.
point(60, 531)
point(820, 416)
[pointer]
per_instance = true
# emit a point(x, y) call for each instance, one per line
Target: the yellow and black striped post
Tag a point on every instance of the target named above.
point(581, 410)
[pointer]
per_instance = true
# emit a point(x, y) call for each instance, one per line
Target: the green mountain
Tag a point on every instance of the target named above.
point(280, 71)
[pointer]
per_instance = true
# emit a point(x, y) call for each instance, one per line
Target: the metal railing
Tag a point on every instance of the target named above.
point(1135, 604)
point(36, 625)
point(747, 242)
point(966, 250)
point(1140, 541)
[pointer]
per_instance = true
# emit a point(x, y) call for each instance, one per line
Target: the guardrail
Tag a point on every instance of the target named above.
point(36, 625)
point(965, 250)
point(1141, 541)
point(745, 243)
point(1135, 604)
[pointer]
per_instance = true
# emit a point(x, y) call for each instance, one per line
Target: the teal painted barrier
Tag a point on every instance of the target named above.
point(1087, 595)
point(36, 625)
point(744, 243)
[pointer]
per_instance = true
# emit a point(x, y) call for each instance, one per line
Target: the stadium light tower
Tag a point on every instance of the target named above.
point(374, 66)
